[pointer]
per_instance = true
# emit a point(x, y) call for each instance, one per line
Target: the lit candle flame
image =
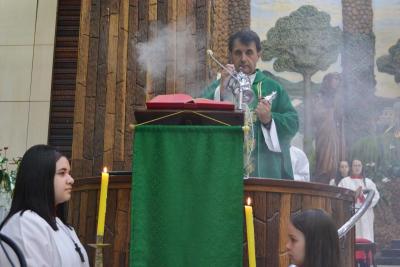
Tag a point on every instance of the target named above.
point(248, 201)
point(105, 169)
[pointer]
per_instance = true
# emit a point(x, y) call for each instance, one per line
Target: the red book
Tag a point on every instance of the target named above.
point(184, 101)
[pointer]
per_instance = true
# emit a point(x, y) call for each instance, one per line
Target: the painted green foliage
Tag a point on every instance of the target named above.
point(379, 154)
point(391, 63)
point(303, 42)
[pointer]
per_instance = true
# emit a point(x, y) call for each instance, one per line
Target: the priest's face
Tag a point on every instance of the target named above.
point(245, 57)
point(356, 167)
point(296, 245)
point(62, 181)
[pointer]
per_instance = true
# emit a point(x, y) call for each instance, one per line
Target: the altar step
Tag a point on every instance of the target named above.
point(389, 256)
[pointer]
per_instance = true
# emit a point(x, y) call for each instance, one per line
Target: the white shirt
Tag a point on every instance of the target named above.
point(40, 244)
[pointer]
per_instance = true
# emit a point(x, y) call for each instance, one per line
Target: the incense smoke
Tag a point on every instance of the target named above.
point(156, 54)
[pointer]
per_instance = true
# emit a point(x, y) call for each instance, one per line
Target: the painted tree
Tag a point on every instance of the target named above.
point(390, 64)
point(303, 42)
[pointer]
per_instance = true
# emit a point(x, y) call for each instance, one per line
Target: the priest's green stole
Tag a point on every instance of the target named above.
point(187, 196)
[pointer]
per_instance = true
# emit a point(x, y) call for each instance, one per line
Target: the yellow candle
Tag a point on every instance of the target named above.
point(103, 202)
point(250, 233)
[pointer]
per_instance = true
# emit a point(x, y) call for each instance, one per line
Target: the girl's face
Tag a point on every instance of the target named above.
point(296, 245)
point(344, 168)
point(62, 181)
point(356, 167)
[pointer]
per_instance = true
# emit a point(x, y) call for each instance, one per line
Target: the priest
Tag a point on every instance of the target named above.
point(276, 122)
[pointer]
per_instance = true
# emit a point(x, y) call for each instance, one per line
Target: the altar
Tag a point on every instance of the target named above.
point(274, 201)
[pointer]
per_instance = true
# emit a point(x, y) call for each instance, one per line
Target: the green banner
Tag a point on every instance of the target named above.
point(187, 193)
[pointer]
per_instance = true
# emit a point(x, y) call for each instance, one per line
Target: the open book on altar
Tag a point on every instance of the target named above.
point(184, 101)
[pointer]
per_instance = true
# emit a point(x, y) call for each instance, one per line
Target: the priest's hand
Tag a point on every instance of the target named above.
point(263, 111)
point(225, 76)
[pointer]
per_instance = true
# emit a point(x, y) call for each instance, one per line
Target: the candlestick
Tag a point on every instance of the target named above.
point(103, 202)
point(250, 233)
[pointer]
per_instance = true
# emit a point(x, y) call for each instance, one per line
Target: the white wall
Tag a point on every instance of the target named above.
point(27, 31)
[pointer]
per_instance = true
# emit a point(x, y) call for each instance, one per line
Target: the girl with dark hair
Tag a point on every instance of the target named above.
point(342, 172)
point(313, 240)
point(36, 221)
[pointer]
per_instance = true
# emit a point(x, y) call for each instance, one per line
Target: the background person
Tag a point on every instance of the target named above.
point(300, 164)
point(343, 171)
point(358, 182)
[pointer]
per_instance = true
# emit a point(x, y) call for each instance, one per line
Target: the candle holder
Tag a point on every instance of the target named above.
point(99, 245)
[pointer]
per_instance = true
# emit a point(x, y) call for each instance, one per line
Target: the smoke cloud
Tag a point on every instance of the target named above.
point(156, 54)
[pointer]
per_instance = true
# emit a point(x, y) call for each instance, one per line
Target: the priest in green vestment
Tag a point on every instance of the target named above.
point(276, 124)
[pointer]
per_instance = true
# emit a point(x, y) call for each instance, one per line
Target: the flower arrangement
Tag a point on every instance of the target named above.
point(7, 176)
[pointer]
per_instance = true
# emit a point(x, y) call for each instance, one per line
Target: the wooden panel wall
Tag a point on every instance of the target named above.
point(64, 74)
point(83, 208)
point(81, 120)
point(111, 84)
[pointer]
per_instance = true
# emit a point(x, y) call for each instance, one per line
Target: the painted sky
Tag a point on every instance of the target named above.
point(264, 14)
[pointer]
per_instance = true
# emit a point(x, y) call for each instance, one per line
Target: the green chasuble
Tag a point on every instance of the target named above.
point(270, 164)
point(187, 196)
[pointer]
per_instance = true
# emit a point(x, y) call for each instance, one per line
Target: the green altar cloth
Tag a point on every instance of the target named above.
point(187, 196)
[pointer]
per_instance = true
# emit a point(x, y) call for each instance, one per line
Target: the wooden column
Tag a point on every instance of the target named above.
point(358, 62)
point(226, 18)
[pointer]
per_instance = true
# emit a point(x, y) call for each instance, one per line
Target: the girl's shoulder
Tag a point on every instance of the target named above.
point(27, 215)
point(345, 180)
point(369, 181)
point(27, 219)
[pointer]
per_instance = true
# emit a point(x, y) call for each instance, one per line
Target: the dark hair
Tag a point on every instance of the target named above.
point(246, 37)
point(34, 186)
point(321, 238)
point(338, 173)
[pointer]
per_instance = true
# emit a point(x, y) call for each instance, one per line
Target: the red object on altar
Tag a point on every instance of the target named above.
point(184, 101)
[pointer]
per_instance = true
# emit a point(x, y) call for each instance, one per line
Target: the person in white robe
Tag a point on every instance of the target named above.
point(300, 164)
point(357, 182)
point(35, 221)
